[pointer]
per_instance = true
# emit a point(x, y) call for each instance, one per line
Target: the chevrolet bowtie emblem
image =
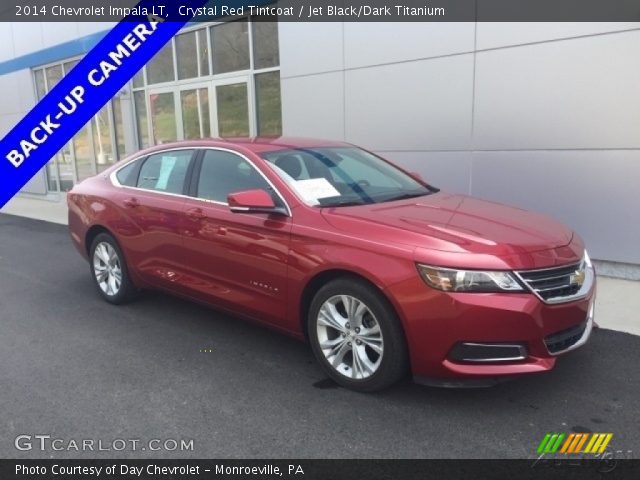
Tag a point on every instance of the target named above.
point(577, 277)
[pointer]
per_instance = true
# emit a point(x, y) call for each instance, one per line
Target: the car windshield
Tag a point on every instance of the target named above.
point(342, 176)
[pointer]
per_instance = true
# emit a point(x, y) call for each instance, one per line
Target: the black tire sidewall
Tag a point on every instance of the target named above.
point(126, 286)
point(394, 358)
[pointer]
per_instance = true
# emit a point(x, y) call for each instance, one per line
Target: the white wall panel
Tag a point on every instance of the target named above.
point(8, 121)
point(313, 106)
point(6, 42)
point(87, 28)
point(580, 93)
point(502, 34)
point(10, 86)
point(387, 42)
point(55, 33)
point(28, 37)
point(312, 47)
point(422, 105)
point(26, 90)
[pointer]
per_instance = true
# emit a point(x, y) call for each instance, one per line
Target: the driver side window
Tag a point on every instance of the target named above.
point(223, 173)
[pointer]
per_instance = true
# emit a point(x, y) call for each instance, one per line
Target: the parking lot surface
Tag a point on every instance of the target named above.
point(75, 368)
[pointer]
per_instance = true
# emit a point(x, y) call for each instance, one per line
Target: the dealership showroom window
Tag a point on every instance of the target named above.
point(363, 238)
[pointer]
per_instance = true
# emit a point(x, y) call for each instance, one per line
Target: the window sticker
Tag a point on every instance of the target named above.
point(314, 189)
point(166, 167)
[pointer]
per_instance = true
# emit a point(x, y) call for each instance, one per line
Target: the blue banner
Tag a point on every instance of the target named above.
point(87, 88)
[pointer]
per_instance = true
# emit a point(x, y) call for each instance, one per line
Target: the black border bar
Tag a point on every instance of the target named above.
point(344, 10)
point(546, 468)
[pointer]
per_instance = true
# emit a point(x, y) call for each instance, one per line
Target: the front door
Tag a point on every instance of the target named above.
point(236, 260)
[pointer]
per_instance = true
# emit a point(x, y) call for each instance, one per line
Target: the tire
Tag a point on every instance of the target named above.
point(109, 270)
point(365, 351)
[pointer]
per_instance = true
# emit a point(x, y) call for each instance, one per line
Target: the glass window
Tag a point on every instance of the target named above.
point(268, 104)
point(203, 45)
point(69, 66)
point(138, 79)
point(84, 154)
point(223, 173)
point(233, 110)
point(41, 89)
point(142, 120)
point(52, 175)
point(65, 167)
point(230, 46)
point(265, 43)
point(119, 128)
point(128, 175)
point(102, 139)
point(165, 172)
point(205, 118)
point(54, 75)
point(163, 118)
point(195, 113)
point(160, 68)
point(186, 54)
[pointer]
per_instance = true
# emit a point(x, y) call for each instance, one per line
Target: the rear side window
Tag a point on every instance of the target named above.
point(127, 175)
point(165, 172)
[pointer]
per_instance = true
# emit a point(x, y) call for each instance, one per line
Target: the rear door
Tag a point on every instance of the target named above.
point(155, 206)
point(236, 260)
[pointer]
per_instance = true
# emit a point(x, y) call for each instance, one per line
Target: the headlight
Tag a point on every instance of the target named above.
point(450, 280)
point(586, 261)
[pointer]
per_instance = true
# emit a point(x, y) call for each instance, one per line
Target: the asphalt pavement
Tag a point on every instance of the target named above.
point(76, 368)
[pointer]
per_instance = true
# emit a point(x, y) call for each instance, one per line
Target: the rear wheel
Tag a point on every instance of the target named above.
point(356, 335)
point(109, 270)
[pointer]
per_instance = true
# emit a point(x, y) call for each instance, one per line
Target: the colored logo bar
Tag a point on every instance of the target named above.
point(593, 443)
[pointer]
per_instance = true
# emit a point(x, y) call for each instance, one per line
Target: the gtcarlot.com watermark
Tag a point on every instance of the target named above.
point(49, 443)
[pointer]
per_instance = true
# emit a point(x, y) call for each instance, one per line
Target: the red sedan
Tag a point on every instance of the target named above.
point(380, 272)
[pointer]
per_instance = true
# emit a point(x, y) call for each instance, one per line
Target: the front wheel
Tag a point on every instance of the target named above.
point(356, 335)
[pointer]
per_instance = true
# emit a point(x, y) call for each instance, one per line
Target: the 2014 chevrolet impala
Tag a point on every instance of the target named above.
point(379, 271)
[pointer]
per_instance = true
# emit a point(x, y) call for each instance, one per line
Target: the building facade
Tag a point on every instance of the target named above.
point(543, 116)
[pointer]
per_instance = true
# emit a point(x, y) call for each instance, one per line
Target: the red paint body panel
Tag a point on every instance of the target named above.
point(258, 265)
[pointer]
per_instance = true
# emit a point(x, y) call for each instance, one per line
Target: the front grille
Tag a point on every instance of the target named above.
point(564, 339)
point(557, 283)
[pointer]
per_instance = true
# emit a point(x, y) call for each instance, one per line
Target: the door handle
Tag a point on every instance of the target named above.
point(131, 202)
point(196, 214)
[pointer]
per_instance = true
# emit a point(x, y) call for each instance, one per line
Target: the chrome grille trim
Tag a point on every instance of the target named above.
point(559, 284)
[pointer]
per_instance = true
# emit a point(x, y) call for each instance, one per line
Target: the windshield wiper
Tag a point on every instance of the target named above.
point(405, 196)
point(347, 202)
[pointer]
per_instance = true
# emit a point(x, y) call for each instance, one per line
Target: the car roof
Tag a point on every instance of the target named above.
point(253, 144)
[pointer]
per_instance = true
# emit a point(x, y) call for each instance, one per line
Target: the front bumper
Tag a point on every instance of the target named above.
point(437, 323)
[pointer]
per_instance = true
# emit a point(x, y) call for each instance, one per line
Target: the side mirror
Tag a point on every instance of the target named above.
point(252, 201)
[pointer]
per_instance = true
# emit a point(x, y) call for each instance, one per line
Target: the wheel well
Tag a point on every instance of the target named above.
point(92, 233)
point(320, 280)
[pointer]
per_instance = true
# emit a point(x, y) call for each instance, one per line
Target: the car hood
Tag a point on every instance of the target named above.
point(453, 223)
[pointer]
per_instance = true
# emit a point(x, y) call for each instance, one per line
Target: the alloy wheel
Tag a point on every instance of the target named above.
point(107, 268)
point(350, 337)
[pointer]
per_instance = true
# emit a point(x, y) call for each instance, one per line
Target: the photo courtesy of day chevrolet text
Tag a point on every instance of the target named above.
point(319, 239)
